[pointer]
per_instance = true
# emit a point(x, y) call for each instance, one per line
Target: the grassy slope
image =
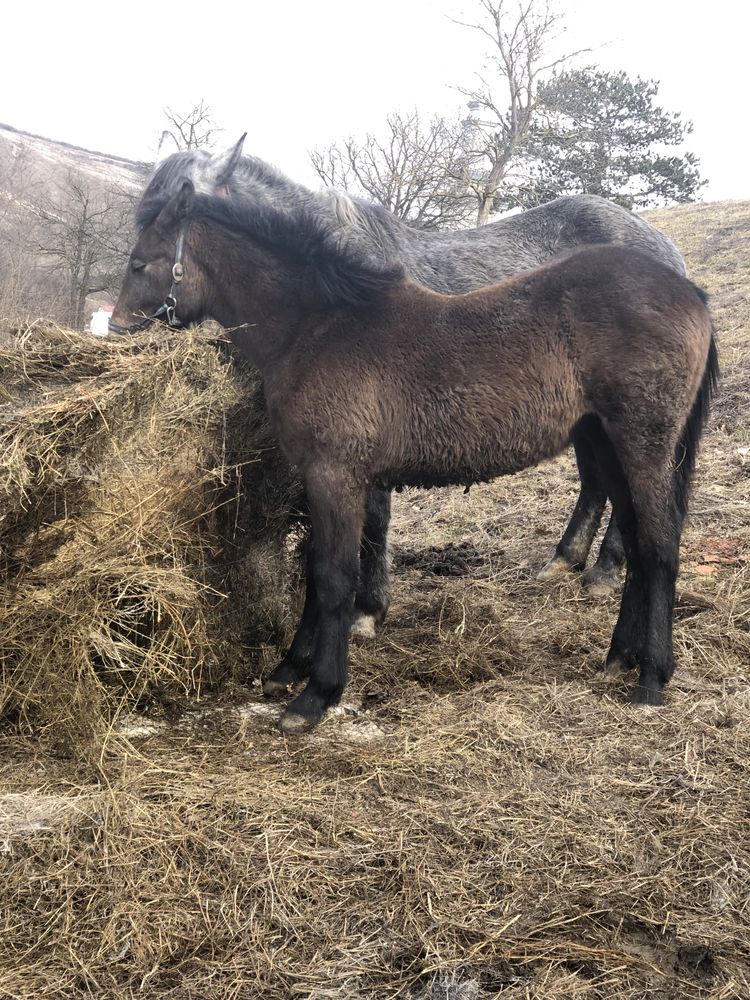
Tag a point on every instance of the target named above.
point(486, 816)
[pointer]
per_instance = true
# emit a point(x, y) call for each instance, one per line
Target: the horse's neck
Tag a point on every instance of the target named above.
point(263, 322)
point(262, 336)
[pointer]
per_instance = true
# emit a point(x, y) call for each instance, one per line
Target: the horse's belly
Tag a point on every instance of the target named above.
point(467, 451)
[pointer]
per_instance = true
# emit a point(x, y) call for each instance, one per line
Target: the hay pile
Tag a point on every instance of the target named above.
point(485, 816)
point(139, 483)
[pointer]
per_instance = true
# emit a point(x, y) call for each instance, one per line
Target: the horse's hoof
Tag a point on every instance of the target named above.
point(294, 724)
point(643, 695)
point(275, 689)
point(601, 582)
point(618, 663)
point(283, 678)
point(614, 667)
point(364, 626)
point(554, 569)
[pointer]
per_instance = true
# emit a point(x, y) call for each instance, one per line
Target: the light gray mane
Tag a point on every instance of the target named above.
point(447, 261)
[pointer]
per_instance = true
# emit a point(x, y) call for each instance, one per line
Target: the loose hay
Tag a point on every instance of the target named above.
point(485, 817)
point(139, 483)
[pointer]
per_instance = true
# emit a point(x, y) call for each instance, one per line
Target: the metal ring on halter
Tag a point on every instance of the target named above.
point(171, 303)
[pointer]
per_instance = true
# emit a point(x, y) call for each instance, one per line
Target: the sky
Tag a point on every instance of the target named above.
point(298, 75)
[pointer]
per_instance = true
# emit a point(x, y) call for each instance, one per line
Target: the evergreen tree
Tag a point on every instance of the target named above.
point(602, 133)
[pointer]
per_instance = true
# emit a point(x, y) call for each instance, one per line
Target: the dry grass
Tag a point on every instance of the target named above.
point(486, 816)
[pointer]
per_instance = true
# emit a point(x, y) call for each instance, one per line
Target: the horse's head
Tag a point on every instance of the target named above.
point(242, 262)
point(161, 283)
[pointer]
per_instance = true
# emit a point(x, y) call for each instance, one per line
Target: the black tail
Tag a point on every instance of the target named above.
point(687, 448)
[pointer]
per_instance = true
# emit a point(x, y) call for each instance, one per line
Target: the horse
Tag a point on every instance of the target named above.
point(452, 263)
point(372, 379)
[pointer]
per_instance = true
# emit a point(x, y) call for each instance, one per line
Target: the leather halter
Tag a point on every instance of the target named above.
point(167, 311)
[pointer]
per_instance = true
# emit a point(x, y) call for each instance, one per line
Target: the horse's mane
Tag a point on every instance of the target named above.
point(345, 272)
point(256, 181)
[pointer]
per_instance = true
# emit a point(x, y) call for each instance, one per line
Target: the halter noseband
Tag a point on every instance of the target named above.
point(168, 309)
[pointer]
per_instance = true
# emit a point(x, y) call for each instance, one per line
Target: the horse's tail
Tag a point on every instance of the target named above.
point(687, 448)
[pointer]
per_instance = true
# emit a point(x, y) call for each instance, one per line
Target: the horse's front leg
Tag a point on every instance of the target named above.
point(337, 513)
point(295, 666)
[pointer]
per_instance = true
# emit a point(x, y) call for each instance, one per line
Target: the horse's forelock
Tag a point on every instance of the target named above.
point(170, 175)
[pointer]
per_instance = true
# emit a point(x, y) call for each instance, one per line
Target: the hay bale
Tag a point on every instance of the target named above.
point(144, 518)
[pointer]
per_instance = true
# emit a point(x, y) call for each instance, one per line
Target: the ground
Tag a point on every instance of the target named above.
point(485, 815)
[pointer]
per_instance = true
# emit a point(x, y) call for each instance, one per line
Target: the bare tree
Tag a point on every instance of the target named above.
point(443, 173)
point(26, 288)
point(194, 130)
point(415, 170)
point(86, 232)
point(503, 102)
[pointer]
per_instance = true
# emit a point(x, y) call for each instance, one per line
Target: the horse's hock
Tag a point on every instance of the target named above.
point(144, 525)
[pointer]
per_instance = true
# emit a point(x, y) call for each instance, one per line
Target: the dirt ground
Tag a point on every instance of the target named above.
point(485, 816)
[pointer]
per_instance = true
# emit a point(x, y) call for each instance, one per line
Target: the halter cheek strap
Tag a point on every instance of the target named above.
point(168, 309)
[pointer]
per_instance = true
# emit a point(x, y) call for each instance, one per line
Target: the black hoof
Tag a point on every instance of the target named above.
point(276, 690)
point(303, 714)
point(619, 662)
point(643, 695)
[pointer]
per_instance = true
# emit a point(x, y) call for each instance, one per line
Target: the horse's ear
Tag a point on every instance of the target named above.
point(177, 209)
point(222, 166)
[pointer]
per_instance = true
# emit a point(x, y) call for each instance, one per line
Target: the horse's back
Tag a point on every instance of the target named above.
point(586, 219)
point(464, 260)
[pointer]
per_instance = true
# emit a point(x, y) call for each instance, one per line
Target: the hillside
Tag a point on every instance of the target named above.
point(65, 227)
point(49, 160)
point(485, 816)
point(715, 240)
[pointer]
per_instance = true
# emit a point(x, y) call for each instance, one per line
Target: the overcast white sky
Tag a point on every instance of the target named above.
point(299, 74)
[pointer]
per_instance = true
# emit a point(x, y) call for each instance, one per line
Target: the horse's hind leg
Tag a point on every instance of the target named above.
point(604, 575)
point(295, 666)
point(659, 524)
point(373, 591)
point(573, 548)
point(337, 513)
point(641, 485)
point(628, 636)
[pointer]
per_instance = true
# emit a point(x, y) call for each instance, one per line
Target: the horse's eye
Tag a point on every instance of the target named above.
point(137, 265)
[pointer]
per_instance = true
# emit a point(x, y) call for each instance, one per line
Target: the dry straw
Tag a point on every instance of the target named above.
point(139, 483)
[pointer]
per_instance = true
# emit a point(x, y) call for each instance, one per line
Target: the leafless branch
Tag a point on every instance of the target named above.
point(411, 169)
point(520, 34)
point(195, 129)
